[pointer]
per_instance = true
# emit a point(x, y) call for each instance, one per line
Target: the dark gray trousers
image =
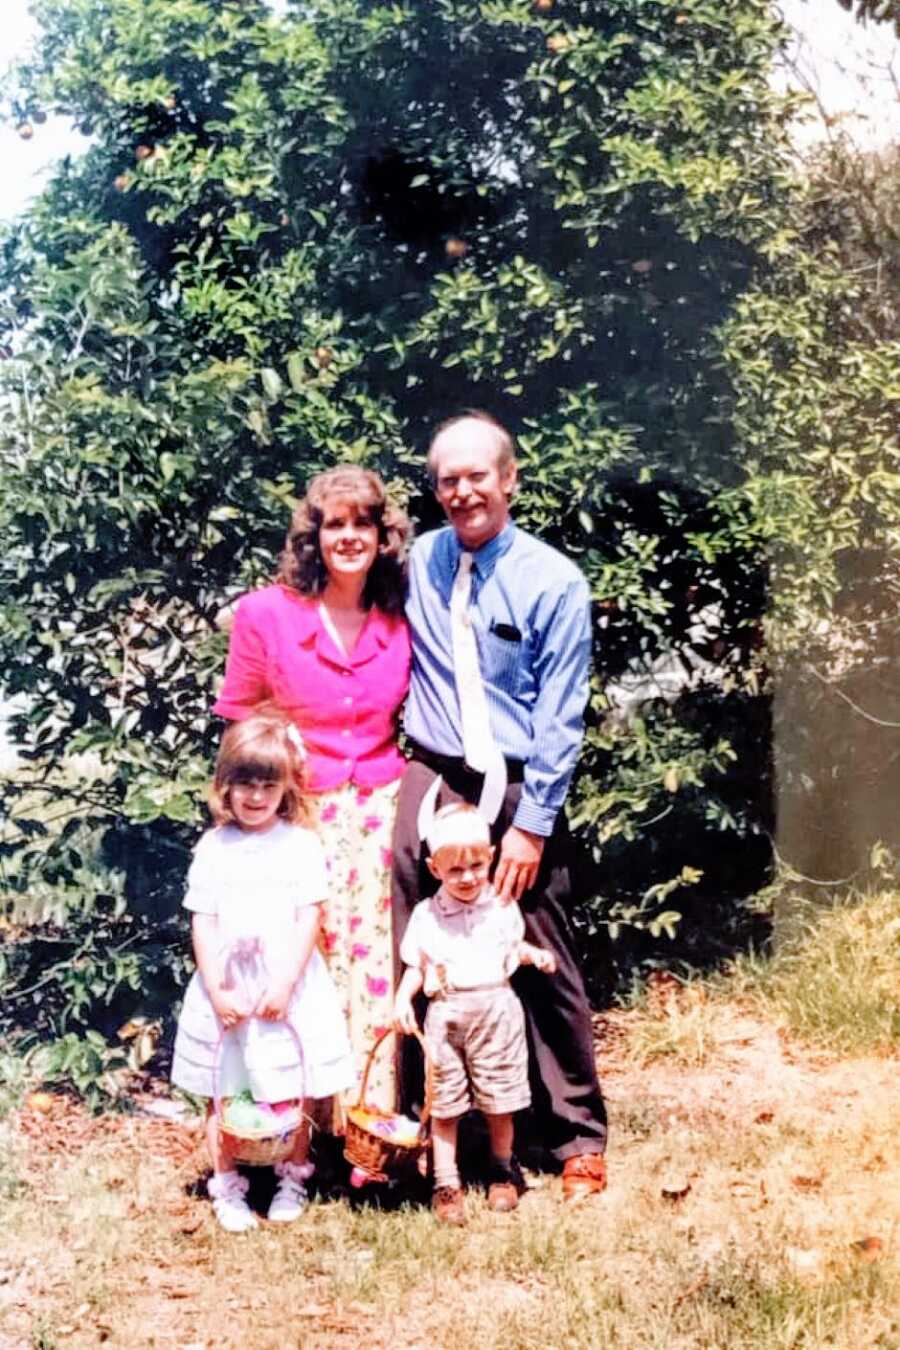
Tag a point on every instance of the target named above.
point(568, 1116)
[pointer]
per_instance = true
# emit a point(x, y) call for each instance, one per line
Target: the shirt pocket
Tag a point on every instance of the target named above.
point(501, 655)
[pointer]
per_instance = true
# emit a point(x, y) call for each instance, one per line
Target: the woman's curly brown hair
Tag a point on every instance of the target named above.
point(300, 565)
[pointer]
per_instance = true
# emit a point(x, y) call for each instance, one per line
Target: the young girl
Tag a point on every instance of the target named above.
point(261, 1013)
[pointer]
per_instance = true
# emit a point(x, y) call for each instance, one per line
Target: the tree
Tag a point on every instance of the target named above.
point(817, 371)
point(299, 239)
point(879, 11)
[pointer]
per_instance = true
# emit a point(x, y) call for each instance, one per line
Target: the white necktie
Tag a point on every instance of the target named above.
point(480, 749)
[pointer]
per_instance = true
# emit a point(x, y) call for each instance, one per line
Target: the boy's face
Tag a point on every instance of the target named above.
point(464, 874)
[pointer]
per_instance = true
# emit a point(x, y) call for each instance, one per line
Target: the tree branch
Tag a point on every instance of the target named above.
point(870, 717)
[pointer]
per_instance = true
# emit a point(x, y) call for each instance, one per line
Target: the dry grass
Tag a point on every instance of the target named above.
point(746, 1169)
point(786, 1160)
point(838, 983)
point(837, 986)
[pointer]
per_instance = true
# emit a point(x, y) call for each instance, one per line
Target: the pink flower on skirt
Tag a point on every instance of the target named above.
point(362, 796)
point(378, 1032)
point(355, 922)
point(372, 823)
point(377, 988)
point(329, 941)
point(329, 812)
point(359, 951)
point(352, 877)
point(387, 857)
point(385, 902)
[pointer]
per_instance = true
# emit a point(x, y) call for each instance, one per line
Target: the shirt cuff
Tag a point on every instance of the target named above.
point(534, 818)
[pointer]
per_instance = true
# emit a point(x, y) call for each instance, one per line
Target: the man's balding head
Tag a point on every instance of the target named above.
point(473, 468)
point(483, 429)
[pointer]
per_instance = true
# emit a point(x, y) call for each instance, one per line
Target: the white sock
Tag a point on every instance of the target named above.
point(447, 1177)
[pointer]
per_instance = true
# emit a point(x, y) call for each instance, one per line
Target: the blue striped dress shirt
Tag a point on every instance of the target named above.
point(531, 614)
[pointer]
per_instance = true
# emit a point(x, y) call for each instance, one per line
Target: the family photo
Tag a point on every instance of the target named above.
point(450, 502)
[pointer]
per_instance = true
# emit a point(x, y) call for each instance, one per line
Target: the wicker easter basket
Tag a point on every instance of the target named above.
point(370, 1143)
point(263, 1147)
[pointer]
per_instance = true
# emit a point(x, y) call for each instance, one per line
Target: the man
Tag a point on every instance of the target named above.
point(521, 709)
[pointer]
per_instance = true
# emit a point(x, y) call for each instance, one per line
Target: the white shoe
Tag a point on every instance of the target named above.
point(290, 1199)
point(227, 1190)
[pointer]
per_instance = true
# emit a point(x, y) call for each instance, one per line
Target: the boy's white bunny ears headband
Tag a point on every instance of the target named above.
point(450, 825)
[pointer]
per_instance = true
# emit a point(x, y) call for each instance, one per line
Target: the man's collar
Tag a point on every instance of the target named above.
point(448, 906)
point(484, 559)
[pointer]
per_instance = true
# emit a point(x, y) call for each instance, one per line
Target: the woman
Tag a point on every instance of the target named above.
point(328, 644)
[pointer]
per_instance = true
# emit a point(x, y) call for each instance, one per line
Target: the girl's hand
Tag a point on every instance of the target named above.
point(404, 1016)
point(273, 1005)
point(229, 1007)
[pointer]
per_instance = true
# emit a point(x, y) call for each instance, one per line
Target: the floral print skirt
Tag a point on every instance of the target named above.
point(355, 825)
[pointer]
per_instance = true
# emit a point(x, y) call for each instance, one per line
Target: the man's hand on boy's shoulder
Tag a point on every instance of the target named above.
point(520, 859)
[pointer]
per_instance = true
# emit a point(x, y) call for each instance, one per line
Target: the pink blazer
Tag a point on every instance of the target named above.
point(345, 707)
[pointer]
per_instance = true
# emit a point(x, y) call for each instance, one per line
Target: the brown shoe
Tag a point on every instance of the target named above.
point(584, 1176)
point(502, 1197)
point(506, 1185)
point(448, 1207)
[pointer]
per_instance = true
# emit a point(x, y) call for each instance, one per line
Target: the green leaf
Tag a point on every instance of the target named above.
point(295, 371)
point(271, 382)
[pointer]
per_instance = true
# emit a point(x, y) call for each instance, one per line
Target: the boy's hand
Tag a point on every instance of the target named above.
point(544, 960)
point(229, 1007)
point(404, 1016)
point(273, 1005)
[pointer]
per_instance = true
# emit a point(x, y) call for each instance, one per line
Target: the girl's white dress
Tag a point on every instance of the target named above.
point(255, 883)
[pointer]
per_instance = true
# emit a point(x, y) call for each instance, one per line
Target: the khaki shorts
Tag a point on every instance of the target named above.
point(476, 1039)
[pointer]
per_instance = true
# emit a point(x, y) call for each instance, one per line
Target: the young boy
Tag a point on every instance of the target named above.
point(461, 946)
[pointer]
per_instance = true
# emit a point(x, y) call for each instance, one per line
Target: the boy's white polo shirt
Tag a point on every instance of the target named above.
point(463, 946)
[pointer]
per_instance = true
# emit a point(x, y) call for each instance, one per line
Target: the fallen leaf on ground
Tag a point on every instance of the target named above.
point(804, 1183)
point(42, 1102)
point(675, 1188)
point(868, 1248)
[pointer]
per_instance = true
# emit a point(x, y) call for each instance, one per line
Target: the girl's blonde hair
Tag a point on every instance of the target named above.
point(459, 836)
point(264, 746)
point(461, 855)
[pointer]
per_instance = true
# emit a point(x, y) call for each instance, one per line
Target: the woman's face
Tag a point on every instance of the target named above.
point(348, 538)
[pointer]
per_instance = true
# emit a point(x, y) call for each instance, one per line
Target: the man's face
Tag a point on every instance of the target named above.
point(470, 485)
